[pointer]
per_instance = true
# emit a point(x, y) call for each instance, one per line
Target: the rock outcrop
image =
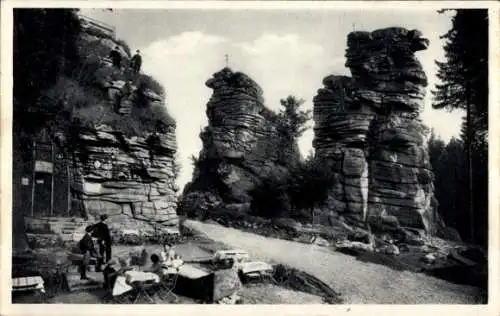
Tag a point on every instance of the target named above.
point(128, 175)
point(369, 126)
point(126, 178)
point(241, 145)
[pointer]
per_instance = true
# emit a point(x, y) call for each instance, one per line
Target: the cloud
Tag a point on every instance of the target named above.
point(290, 45)
point(282, 64)
point(182, 63)
point(186, 43)
point(289, 65)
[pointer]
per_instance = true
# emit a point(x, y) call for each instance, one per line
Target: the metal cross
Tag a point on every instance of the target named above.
point(226, 57)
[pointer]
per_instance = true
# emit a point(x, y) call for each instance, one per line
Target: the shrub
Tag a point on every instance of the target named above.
point(141, 122)
point(125, 46)
point(293, 195)
point(309, 183)
point(148, 82)
point(270, 198)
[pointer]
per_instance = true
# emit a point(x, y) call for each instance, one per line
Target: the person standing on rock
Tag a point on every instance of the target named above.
point(116, 57)
point(101, 232)
point(136, 62)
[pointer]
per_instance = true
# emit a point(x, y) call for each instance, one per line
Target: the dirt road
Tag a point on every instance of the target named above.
point(358, 282)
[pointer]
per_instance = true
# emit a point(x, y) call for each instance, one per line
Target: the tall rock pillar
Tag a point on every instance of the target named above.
point(369, 125)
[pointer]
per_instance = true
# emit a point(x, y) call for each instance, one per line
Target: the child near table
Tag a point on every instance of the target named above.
point(111, 272)
point(157, 266)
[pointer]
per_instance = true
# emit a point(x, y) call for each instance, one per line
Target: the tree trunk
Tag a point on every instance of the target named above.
point(469, 161)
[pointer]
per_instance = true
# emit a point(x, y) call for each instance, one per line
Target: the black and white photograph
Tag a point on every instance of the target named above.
point(249, 156)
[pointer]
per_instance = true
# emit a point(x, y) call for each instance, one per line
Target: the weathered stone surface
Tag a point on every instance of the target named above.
point(369, 126)
point(241, 145)
point(136, 180)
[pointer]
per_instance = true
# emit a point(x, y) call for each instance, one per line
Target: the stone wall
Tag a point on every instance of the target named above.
point(369, 126)
point(241, 145)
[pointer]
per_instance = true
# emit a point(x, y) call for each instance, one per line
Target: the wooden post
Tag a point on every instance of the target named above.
point(33, 179)
point(52, 158)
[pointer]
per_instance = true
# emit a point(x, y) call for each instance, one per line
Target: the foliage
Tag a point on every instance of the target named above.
point(141, 121)
point(309, 183)
point(291, 119)
point(270, 198)
point(147, 82)
point(44, 46)
point(466, 65)
point(464, 85)
point(302, 189)
point(125, 46)
point(449, 165)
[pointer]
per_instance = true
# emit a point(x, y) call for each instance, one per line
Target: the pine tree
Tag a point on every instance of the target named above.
point(293, 120)
point(464, 85)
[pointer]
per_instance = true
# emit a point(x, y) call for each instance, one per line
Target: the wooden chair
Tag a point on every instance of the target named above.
point(142, 291)
point(167, 285)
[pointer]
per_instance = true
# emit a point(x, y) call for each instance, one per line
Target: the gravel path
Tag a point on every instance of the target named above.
point(358, 282)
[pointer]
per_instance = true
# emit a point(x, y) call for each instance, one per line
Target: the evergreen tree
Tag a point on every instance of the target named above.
point(464, 86)
point(292, 119)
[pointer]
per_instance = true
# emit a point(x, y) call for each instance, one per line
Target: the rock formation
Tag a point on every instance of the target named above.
point(368, 125)
point(241, 145)
point(130, 179)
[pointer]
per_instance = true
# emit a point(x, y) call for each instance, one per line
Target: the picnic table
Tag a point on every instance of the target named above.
point(28, 283)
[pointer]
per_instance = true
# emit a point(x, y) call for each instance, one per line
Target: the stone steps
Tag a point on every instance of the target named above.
point(75, 284)
point(63, 227)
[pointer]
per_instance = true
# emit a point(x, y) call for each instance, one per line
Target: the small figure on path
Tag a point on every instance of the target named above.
point(136, 62)
point(116, 57)
point(101, 232)
point(86, 245)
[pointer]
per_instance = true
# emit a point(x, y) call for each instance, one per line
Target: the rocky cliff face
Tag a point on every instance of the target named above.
point(369, 126)
point(128, 176)
point(241, 145)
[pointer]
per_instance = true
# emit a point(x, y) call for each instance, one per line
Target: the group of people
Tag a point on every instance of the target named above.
point(135, 62)
point(160, 263)
point(87, 248)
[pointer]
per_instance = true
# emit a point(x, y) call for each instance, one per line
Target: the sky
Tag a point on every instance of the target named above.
point(284, 51)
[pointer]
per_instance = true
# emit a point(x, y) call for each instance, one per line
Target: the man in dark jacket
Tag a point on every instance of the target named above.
point(136, 62)
point(116, 57)
point(101, 232)
point(86, 246)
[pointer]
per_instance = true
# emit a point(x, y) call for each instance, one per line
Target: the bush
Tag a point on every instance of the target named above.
point(148, 82)
point(270, 198)
point(141, 122)
point(309, 183)
point(293, 195)
point(125, 46)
